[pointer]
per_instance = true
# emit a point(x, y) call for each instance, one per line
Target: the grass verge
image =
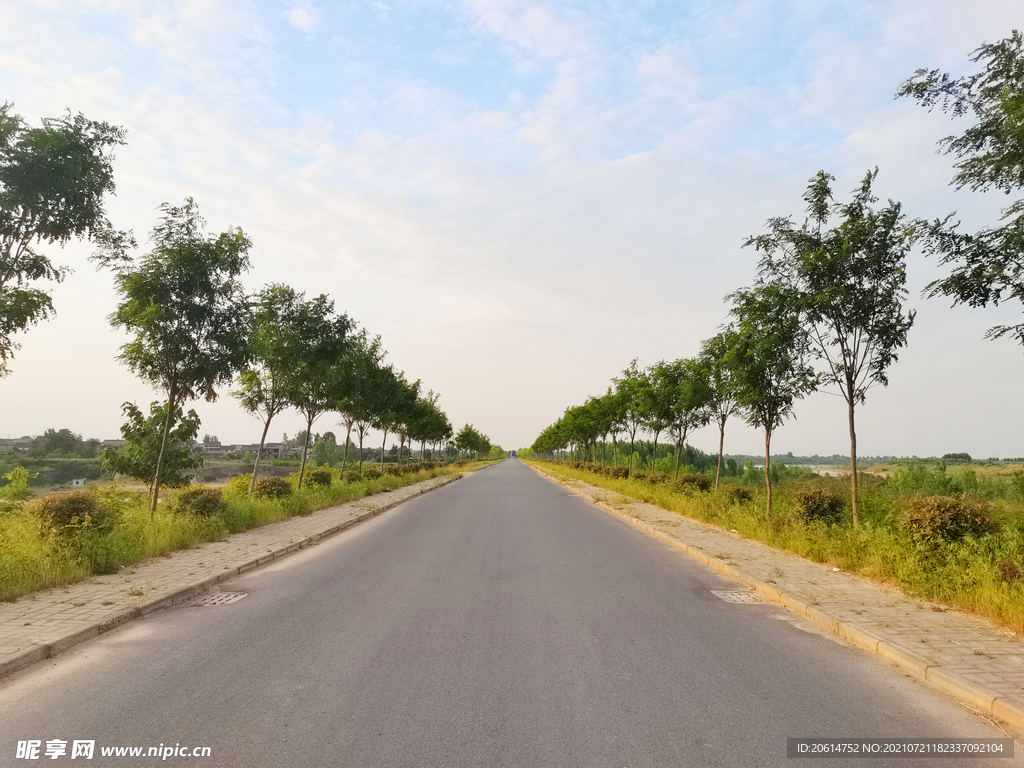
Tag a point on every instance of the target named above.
point(32, 559)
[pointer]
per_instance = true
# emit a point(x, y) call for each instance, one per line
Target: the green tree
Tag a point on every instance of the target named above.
point(715, 365)
point(157, 450)
point(186, 308)
point(275, 351)
point(849, 285)
point(59, 442)
point(769, 361)
point(353, 378)
point(630, 389)
point(988, 266)
point(657, 403)
point(52, 183)
point(325, 449)
point(321, 340)
point(690, 397)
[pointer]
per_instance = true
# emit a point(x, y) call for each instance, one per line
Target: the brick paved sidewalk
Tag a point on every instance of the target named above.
point(47, 623)
point(978, 663)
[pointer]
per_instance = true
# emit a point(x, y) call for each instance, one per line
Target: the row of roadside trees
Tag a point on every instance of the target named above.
point(194, 329)
point(827, 307)
point(193, 326)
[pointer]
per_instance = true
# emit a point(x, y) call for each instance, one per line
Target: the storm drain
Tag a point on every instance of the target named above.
point(222, 598)
point(739, 596)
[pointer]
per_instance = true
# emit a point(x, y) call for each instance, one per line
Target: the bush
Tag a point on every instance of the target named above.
point(1009, 570)
point(619, 473)
point(16, 488)
point(372, 473)
point(319, 477)
point(694, 481)
point(238, 485)
point(736, 494)
point(942, 517)
point(272, 487)
point(817, 503)
point(71, 512)
point(393, 470)
point(202, 501)
point(657, 478)
point(349, 476)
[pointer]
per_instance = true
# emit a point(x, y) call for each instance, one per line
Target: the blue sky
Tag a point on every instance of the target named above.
point(520, 197)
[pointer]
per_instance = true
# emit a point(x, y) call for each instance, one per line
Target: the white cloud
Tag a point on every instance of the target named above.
point(302, 19)
point(515, 251)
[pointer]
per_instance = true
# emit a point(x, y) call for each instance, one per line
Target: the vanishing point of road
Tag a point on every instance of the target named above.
point(499, 621)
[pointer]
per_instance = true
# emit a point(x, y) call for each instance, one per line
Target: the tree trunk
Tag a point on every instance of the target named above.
point(171, 395)
point(630, 464)
point(679, 450)
point(259, 452)
point(382, 449)
point(360, 453)
point(721, 445)
point(853, 465)
point(348, 436)
point(305, 449)
point(654, 458)
point(767, 466)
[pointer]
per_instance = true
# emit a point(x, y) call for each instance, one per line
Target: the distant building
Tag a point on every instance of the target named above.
point(270, 450)
point(11, 444)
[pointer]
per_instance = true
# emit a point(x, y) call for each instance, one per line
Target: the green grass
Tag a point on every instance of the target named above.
point(30, 561)
point(975, 574)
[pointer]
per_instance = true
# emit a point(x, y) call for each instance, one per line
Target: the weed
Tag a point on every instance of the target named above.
point(199, 500)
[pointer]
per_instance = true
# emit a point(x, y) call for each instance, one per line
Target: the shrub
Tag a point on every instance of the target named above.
point(943, 517)
point(1009, 570)
point(319, 477)
point(349, 476)
point(1017, 485)
point(393, 469)
point(736, 494)
point(620, 473)
point(694, 481)
point(202, 501)
point(657, 478)
point(238, 485)
point(71, 512)
point(372, 473)
point(272, 487)
point(17, 485)
point(817, 503)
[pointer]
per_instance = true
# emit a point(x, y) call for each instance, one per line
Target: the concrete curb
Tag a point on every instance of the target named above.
point(56, 647)
point(851, 634)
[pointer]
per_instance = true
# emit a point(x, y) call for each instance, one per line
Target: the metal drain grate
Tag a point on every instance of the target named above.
point(739, 596)
point(222, 598)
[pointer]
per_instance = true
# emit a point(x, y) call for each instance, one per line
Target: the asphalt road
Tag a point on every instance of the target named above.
point(500, 621)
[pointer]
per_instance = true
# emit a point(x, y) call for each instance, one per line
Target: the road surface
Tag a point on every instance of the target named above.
point(499, 621)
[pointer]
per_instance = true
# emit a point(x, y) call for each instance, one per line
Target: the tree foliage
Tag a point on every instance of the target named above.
point(988, 266)
point(139, 457)
point(769, 360)
point(185, 306)
point(848, 284)
point(53, 181)
point(714, 363)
